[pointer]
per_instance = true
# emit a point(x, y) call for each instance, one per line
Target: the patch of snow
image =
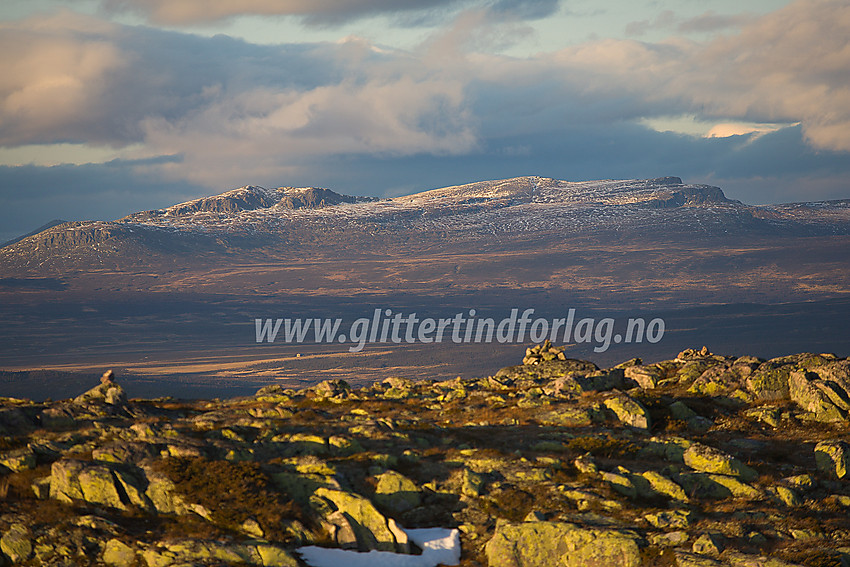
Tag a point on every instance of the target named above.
point(440, 546)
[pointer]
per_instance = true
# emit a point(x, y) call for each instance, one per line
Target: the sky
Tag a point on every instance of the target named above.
point(108, 107)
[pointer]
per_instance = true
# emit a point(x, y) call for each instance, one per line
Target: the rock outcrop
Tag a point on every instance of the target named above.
point(699, 460)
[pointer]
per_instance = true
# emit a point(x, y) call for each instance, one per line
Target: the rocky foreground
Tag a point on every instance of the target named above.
point(703, 460)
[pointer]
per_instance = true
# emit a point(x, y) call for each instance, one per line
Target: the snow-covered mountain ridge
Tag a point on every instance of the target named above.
point(501, 211)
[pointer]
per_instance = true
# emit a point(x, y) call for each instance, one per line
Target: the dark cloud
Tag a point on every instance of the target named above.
point(526, 9)
point(34, 195)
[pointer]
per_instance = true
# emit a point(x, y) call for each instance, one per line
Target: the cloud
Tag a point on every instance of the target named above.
point(239, 113)
point(34, 195)
point(664, 20)
point(712, 22)
point(725, 130)
point(802, 76)
point(318, 12)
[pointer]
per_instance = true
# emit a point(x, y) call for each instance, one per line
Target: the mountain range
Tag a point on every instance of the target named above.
point(496, 214)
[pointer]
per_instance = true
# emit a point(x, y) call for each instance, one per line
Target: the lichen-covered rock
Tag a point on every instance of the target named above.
point(118, 554)
point(108, 393)
point(620, 483)
point(787, 496)
point(669, 519)
point(833, 458)
point(770, 380)
point(702, 485)
point(548, 370)
point(550, 544)
point(663, 485)
point(78, 480)
point(14, 421)
point(471, 483)
point(18, 460)
point(370, 526)
point(16, 543)
point(679, 410)
point(707, 459)
point(708, 544)
point(629, 411)
point(200, 552)
point(163, 494)
point(274, 556)
point(647, 377)
point(736, 487)
point(396, 492)
point(58, 417)
point(813, 395)
point(339, 389)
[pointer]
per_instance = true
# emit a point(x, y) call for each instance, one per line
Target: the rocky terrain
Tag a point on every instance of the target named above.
point(703, 460)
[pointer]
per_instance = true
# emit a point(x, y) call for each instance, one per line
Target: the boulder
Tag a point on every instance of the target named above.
point(833, 458)
point(621, 483)
point(95, 483)
point(118, 554)
point(338, 389)
point(669, 519)
point(18, 460)
point(471, 483)
point(702, 485)
point(647, 377)
point(708, 544)
point(370, 527)
point(545, 544)
point(16, 543)
point(629, 411)
point(663, 485)
point(811, 393)
point(787, 496)
point(396, 492)
point(704, 458)
point(770, 381)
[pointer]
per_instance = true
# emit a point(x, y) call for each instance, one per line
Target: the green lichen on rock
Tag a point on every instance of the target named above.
point(629, 411)
point(560, 544)
point(813, 395)
point(118, 554)
point(707, 459)
point(246, 481)
point(833, 458)
point(370, 526)
point(396, 492)
point(16, 543)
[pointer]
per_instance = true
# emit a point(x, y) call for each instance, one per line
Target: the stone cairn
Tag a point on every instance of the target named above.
point(543, 353)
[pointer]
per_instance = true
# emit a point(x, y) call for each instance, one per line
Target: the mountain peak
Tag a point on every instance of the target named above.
point(250, 198)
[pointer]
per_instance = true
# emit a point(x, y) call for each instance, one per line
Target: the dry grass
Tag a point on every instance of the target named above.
point(233, 492)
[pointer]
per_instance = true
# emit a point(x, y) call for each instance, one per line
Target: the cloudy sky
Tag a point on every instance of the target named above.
point(113, 106)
